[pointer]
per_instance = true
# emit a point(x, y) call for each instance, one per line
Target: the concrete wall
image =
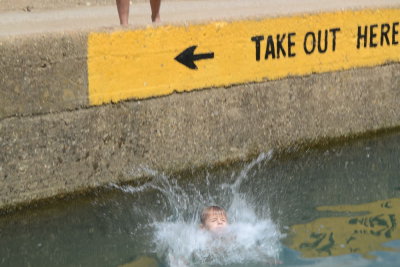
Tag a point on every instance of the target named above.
point(53, 141)
point(38, 78)
point(61, 152)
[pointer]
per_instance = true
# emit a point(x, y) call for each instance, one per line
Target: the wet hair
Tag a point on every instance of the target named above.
point(210, 209)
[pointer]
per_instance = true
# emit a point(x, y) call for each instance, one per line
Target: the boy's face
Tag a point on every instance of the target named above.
point(215, 221)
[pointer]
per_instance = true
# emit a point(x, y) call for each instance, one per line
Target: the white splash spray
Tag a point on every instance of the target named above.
point(179, 240)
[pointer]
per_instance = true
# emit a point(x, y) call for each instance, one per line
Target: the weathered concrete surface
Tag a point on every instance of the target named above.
point(52, 142)
point(172, 12)
point(32, 5)
point(36, 77)
point(29, 5)
point(59, 153)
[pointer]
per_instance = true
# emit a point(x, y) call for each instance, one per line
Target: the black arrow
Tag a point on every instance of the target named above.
point(187, 57)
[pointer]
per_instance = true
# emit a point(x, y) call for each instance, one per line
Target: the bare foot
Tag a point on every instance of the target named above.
point(155, 19)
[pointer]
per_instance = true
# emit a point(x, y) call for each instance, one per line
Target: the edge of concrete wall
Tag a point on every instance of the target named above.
point(68, 151)
point(52, 142)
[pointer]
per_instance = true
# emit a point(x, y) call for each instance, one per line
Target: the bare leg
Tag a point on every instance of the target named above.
point(155, 10)
point(123, 11)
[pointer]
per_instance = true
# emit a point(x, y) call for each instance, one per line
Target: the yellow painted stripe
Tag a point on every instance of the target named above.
point(141, 63)
point(363, 234)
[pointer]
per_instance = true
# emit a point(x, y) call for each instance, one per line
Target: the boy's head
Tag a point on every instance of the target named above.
point(213, 218)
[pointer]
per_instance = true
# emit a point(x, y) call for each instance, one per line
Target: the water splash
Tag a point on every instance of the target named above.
point(178, 238)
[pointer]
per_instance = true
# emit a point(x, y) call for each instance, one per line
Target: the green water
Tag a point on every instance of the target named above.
point(358, 180)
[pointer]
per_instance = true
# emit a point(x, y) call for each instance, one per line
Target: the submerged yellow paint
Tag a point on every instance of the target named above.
point(141, 64)
point(362, 234)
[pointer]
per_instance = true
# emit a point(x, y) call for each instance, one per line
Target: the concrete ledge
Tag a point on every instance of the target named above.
point(54, 141)
point(28, 5)
point(37, 78)
point(59, 153)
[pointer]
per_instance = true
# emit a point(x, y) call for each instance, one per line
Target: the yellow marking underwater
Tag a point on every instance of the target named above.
point(362, 234)
point(141, 63)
